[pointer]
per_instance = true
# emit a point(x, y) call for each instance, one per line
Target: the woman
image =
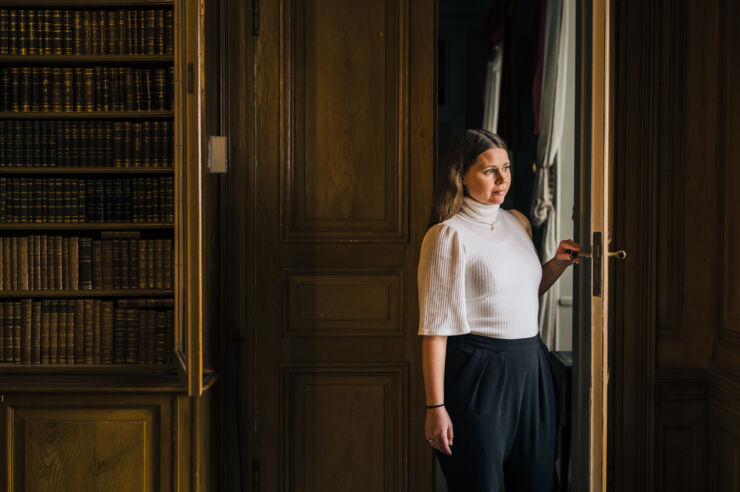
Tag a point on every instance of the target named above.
point(487, 377)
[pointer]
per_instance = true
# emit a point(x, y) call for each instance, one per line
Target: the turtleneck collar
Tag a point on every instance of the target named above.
point(486, 213)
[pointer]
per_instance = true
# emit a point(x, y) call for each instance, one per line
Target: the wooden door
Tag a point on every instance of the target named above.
point(342, 167)
point(594, 232)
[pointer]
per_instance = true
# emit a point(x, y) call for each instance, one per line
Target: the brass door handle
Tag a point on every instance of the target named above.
point(620, 255)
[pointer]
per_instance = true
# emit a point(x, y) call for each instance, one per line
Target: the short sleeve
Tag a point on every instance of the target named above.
point(441, 282)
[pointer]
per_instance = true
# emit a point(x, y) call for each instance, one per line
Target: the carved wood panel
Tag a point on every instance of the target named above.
point(344, 121)
point(354, 415)
point(343, 302)
point(85, 442)
point(681, 444)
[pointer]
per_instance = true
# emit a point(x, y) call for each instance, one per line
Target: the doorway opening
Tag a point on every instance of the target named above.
point(509, 66)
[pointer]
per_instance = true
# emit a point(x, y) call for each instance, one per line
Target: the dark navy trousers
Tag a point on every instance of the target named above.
point(501, 399)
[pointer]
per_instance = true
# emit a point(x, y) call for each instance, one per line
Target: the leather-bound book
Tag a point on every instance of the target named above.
point(106, 350)
point(45, 331)
point(36, 332)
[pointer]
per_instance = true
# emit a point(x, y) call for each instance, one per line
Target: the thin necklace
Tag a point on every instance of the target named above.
point(494, 222)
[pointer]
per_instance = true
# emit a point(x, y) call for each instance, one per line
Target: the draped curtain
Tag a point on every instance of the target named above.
point(493, 89)
point(555, 63)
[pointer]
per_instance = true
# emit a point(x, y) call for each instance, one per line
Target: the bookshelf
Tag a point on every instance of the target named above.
point(89, 224)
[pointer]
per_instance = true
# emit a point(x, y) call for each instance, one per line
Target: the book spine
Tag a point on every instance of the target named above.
point(12, 32)
point(107, 332)
point(44, 262)
point(169, 26)
point(45, 331)
point(97, 264)
point(67, 41)
point(85, 264)
point(88, 331)
point(8, 324)
point(53, 331)
point(79, 331)
point(23, 263)
point(58, 262)
point(119, 335)
point(65, 263)
point(132, 328)
point(69, 311)
point(146, 342)
point(22, 28)
point(107, 252)
point(26, 319)
point(36, 332)
point(61, 309)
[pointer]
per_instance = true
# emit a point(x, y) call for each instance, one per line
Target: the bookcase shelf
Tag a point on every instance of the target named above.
point(143, 369)
point(81, 115)
point(80, 81)
point(85, 170)
point(85, 226)
point(14, 294)
point(85, 3)
point(86, 59)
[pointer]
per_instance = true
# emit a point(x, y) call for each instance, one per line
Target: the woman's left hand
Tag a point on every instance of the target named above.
point(564, 256)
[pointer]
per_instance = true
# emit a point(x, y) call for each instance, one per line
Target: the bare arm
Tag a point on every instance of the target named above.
point(437, 426)
point(553, 269)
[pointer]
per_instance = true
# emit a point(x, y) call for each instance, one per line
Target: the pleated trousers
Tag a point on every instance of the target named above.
point(501, 398)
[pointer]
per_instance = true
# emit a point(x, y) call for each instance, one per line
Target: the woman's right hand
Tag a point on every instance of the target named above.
point(438, 429)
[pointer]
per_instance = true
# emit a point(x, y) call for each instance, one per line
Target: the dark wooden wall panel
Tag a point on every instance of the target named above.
point(343, 302)
point(61, 442)
point(346, 112)
point(729, 125)
point(354, 415)
point(675, 159)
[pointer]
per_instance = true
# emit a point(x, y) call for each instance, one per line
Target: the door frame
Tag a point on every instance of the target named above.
point(591, 363)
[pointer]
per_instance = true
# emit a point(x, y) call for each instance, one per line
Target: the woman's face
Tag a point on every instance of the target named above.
point(489, 178)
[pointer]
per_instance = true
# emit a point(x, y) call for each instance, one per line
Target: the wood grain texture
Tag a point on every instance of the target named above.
point(729, 125)
point(64, 455)
point(353, 415)
point(61, 442)
point(343, 302)
point(344, 164)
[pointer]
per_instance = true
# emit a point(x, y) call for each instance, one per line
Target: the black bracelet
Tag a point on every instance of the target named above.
point(434, 406)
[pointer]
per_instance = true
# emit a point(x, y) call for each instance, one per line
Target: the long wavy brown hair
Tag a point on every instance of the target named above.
point(461, 154)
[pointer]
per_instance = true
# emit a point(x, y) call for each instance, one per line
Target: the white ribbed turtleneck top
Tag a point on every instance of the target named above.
point(476, 280)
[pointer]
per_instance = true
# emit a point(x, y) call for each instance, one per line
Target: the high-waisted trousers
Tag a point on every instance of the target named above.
point(501, 399)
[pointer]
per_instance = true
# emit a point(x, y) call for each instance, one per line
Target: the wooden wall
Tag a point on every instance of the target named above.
point(677, 344)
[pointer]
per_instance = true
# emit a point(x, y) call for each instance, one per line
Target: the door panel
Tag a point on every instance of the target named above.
point(78, 442)
point(345, 114)
point(342, 194)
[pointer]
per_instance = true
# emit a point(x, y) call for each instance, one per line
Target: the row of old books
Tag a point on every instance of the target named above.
point(86, 32)
point(52, 143)
point(118, 261)
point(86, 331)
point(82, 89)
point(81, 200)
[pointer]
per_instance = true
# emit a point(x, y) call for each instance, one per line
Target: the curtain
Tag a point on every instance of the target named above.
point(493, 89)
point(555, 64)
